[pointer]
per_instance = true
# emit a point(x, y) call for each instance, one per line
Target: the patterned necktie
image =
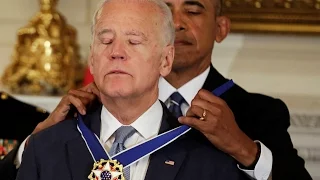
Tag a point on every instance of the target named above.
point(121, 135)
point(175, 104)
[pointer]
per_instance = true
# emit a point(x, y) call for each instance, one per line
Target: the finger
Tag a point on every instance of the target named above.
point(86, 98)
point(192, 122)
point(94, 89)
point(57, 115)
point(207, 95)
point(86, 87)
point(214, 109)
point(195, 111)
point(96, 92)
point(198, 112)
point(64, 110)
point(64, 100)
point(77, 103)
point(62, 107)
point(80, 93)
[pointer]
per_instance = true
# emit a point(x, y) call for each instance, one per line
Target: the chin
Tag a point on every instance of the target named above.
point(179, 64)
point(116, 90)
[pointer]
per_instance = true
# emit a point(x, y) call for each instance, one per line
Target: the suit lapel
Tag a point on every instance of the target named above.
point(214, 79)
point(80, 161)
point(160, 166)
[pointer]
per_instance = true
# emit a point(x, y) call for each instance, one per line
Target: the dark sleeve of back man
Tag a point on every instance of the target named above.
point(17, 122)
point(267, 119)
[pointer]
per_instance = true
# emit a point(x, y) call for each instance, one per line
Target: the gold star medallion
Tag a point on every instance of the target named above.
point(107, 170)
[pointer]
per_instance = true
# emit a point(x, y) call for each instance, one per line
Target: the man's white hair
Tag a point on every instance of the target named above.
point(168, 25)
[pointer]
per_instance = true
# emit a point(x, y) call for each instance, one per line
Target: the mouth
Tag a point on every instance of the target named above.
point(182, 43)
point(118, 72)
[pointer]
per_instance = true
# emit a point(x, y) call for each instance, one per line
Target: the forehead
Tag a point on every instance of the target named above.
point(207, 4)
point(129, 14)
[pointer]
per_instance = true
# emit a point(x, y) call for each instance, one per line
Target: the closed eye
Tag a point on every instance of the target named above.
point(106, 42)
point(134, 42)
point(194, 12)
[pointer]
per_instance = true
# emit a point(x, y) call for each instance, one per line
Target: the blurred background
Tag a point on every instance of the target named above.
point(274, 49)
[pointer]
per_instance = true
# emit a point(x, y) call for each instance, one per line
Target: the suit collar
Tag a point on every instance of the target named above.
point(93, 120)
point(214, 79)
point(188, 90)
point(80, 161)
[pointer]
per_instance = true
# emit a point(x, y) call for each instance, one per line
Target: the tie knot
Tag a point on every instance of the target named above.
point(123, 133)
point(176, 98)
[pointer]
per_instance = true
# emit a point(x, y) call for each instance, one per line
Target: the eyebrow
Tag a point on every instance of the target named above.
point(190, 3)
point(194, 3)
point(137, 33)
point(128, 33)
point(104, 31)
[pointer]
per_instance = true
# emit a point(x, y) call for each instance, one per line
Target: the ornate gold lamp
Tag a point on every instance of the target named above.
point(45, 58)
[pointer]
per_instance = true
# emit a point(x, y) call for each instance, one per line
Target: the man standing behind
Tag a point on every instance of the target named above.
point(128, 55)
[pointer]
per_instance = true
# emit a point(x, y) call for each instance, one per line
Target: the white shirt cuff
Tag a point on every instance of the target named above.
point(18, 158)
point(263, 168)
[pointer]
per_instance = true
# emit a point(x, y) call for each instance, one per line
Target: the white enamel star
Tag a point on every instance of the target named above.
point(106, 167)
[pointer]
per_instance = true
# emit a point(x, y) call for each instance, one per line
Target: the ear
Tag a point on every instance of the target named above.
point(166, 60)
point(223, 28)
point(90, 60)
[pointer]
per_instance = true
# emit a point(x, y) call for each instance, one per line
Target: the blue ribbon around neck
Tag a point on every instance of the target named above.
point(129, 156)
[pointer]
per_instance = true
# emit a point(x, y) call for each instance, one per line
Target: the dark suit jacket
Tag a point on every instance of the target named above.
point(265, 119)
point(18, 120)
point(60, 153)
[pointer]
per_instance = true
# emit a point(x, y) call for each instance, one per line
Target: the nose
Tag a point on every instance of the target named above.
point(118, 56)
point(118, 52)
point(179, 23)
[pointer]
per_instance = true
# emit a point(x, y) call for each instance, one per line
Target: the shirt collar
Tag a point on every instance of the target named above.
point(147, 125)
point(188, 90)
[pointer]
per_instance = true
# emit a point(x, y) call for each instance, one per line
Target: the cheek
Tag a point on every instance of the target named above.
point(95, 64)
point(145, 71)
point(100, 50)
point(99, 67)
point(202, 29)
point(200, 33)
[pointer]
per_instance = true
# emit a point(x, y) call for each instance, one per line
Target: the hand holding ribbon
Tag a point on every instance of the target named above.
point(219, 126)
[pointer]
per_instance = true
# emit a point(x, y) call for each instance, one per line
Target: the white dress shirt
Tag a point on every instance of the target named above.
point(188, 91)
point(146, 126)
